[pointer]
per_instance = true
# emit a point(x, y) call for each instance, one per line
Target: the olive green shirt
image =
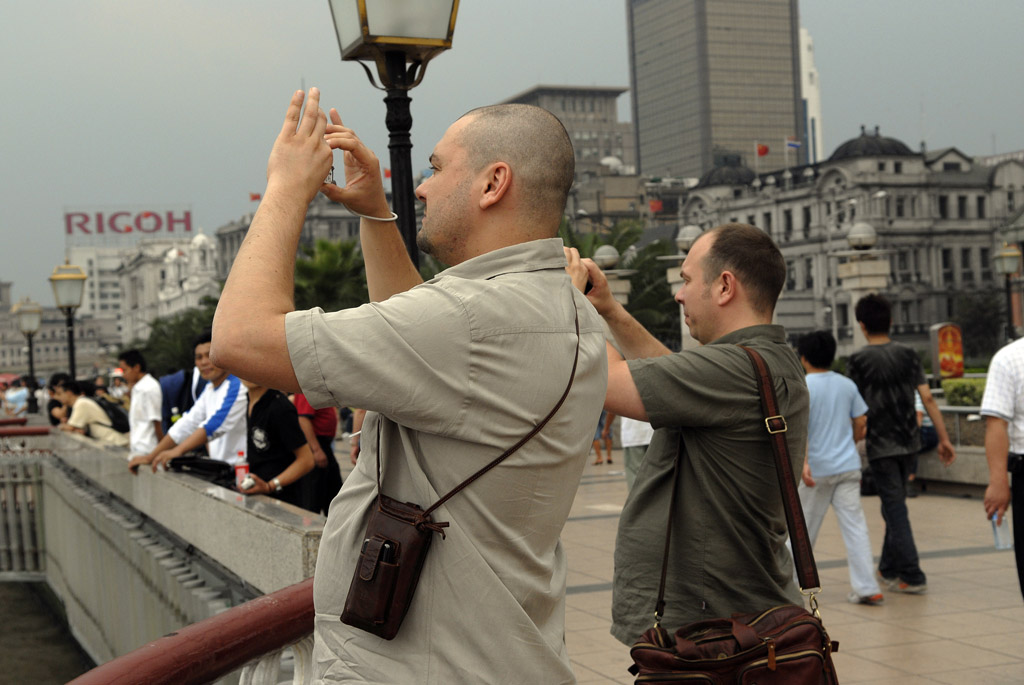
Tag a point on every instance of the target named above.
point(728, 550)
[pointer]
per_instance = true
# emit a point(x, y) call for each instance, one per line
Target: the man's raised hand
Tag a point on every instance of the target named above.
point(363, 191)
point(300, 159)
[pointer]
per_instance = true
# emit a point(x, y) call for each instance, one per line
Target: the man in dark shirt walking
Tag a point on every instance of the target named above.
point(887, 373)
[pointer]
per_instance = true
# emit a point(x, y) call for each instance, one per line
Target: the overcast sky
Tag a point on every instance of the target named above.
point(114, 102)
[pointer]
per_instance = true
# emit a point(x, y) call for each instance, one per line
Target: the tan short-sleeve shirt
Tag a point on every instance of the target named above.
point(456, 371)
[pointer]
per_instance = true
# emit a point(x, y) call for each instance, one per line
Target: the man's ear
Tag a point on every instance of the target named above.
point(725, 288)
point(497, 179)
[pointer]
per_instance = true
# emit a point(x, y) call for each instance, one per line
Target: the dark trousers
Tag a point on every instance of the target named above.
point(1017, 506)
point(899, 553)
point(326, 480)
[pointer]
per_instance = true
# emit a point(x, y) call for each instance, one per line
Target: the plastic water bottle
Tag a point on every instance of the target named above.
point(1001, 532)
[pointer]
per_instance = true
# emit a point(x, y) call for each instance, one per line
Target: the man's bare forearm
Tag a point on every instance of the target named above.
point(389, 270)
point(248, 327)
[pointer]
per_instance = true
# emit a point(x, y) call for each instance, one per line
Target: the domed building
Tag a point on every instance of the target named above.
point(939, 217)
point(160, 278)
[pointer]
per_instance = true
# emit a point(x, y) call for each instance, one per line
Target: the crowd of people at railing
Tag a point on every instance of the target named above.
point(202, 415)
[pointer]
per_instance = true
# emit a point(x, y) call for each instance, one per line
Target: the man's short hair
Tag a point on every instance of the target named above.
point(134, 358)
point(875, 312)
point(753, 257)
point(535, 145)
point(818, 347)
point(203, 338)
point(58, 380)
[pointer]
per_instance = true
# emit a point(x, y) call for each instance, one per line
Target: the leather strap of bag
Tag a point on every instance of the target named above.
point(775, 424)
point(458, 488)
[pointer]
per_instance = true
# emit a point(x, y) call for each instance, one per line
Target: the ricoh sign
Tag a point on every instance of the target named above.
point(125, 225)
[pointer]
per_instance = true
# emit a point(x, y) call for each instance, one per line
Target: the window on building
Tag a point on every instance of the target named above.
point(906, 312)
point(981, 206)
point(767, 227)
point(897, 167)
point(807, 221)
point(951, 166)
point(787, 224)
point(881, 166)
point(966, 272)
point(961, 206)
point(985, 257)
point(943, 207)
point(790, 275)
point(947, 266)
point(844, 314)
point(1010, 201)
point(901, 206)
point(752, 220)
point(809, 273)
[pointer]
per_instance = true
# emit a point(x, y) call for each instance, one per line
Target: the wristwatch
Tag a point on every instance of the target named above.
point(276, 484)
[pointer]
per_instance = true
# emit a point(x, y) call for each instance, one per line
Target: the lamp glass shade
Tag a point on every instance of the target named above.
point(416, 27)
point(428, 19)
point(1007, 260)
point(68, 283)
point(30, 316)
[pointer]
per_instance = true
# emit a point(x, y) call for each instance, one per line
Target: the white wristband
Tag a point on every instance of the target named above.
point(393, 217)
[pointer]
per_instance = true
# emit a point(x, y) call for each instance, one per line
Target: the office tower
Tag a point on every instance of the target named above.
point(810, 84)
point(714, 78)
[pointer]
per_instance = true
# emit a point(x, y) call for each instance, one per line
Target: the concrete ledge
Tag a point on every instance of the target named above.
point(269, 544)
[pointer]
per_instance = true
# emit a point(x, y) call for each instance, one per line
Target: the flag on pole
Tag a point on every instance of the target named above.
point(792, 142)
point(255, 197)
point(387, 173)
point(762, 149)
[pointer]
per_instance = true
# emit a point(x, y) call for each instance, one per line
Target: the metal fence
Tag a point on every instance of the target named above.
point(22, 545)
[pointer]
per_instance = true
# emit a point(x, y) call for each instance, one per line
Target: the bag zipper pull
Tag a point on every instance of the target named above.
point(771, 653)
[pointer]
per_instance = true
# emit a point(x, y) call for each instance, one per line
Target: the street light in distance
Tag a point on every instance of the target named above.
point(30, 318)
point(68, 283)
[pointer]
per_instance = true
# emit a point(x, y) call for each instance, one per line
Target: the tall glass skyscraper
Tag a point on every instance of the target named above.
point(715, 78)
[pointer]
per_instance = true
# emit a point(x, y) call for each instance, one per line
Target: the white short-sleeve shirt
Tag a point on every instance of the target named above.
point(1004, 391)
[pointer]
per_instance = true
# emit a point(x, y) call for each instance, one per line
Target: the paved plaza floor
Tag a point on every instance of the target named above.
point(968, 628)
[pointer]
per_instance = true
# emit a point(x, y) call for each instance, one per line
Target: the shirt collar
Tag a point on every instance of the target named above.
point(771, 332)
point(535, 255)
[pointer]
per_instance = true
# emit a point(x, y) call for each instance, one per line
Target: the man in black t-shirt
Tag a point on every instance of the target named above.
point(887, 373)
point(278, 454)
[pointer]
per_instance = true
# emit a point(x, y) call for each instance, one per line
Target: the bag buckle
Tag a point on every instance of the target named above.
point(776, 424)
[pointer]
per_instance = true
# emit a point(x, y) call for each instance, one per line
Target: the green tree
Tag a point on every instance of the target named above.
point(650, 299)
point(981, 316)
point(331, 276)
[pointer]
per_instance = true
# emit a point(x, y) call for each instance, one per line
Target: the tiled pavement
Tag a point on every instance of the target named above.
point(968, 629)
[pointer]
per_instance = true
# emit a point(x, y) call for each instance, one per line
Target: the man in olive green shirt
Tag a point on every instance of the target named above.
point(729, 531)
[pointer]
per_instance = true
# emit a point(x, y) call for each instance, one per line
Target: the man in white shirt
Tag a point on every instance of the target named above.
point(144, 412)
point(1003, 408)
point(217, 419)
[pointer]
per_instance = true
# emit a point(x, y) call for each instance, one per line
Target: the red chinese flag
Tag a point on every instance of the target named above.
point(655, 205)
point(762, 150)
point(387, 173)
point(253, 197)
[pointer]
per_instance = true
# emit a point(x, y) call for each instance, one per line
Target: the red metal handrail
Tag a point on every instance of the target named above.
point(212, 648)
point(20, 431)
point(13, 421)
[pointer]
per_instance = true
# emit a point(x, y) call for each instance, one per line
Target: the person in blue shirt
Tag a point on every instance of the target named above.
point(831, 473)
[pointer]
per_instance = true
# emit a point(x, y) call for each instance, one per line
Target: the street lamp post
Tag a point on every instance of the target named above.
point(30, 317)
point(400, 37)
point(1007, 263)
point(68, 283)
